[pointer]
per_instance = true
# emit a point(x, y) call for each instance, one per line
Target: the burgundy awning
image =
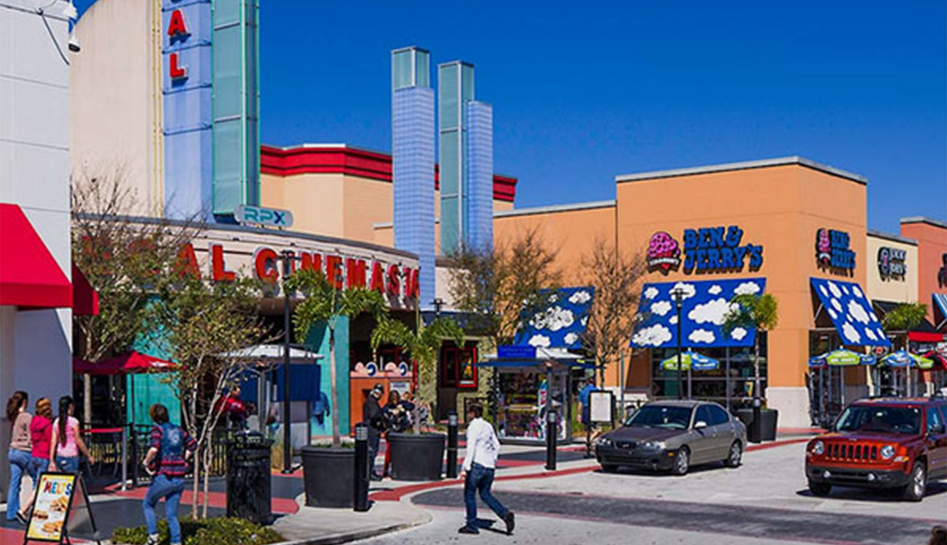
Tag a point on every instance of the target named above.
point(85, 300)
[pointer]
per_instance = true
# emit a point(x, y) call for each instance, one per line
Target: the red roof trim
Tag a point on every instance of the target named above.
point(29, 274)
point(354, 162)
point(925, 337)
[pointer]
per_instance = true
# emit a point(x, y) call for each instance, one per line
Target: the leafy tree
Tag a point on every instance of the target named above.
point(124, 260)
point(423, 344)
point(616, 278)
point(201, 325)
point(323, 303)
point(904, 317)
point(751, 311)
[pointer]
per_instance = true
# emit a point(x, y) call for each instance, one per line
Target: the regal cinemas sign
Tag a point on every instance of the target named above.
point(392, 275)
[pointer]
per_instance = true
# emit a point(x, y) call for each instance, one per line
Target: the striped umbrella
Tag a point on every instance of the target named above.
point(689, 359)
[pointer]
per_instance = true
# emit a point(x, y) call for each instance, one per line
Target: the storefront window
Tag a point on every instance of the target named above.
point(459, 367)
point(731, 384)
point(521, 403)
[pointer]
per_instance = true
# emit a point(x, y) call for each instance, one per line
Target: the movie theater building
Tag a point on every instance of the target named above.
point(805, 242)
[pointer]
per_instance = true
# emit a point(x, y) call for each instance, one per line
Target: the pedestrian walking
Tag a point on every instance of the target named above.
point(67, 443)
point(374, 418)
point(479, 468)
point(397, 412)
point(21, 462)
point(41, 435)
point(166, 462)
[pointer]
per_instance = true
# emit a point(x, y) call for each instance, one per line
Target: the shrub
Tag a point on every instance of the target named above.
point(213, 531)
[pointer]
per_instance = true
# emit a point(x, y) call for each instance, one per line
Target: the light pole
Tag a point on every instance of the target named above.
point(286, 257)
point(678, 295)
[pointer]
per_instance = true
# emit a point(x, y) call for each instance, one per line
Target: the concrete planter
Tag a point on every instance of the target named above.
point(417, 457)
point(328, 475)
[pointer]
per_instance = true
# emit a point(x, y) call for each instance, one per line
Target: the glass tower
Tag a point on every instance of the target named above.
point(412, 124)
point(478, 198)
point(455, 91)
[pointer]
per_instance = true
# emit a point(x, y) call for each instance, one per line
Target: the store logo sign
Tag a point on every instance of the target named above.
point(891, 263)
point(257, 215)
point(718, 250)
point(942, 273)
point(664, 253)
point(833, 251)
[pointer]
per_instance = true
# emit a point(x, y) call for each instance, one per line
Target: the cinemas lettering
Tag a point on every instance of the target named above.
point(891, 264)
point(833, 251)
point(719, 249)
point(177, 32)
point(344, 272)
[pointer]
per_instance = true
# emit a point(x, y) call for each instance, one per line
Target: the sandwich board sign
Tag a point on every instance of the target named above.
point(61, 507)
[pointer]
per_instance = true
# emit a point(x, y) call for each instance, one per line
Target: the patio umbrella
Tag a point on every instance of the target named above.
point(691, 359)
point(903, 358)
point(128, 363)
point(842, 358)
point(937, 357)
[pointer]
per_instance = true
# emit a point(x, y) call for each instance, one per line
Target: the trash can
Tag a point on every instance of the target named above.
point(248, 478)
point(768, 418)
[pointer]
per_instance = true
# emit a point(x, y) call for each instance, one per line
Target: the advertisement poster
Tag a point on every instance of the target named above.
point(601, 405)
point(53, 500)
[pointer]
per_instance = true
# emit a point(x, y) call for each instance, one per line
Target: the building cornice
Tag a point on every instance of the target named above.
point(745, 165)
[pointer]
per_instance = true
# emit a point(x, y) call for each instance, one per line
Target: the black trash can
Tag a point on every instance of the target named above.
point(249, 489)
point(768, 419)
point(416, 457)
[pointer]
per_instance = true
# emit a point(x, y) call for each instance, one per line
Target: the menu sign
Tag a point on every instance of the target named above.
point(54, 516)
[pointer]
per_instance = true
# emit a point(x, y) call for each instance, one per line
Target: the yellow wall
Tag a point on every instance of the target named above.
point(896, 290)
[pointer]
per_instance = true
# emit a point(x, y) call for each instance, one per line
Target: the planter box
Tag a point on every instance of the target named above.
point(329, 476)
point(416, 457)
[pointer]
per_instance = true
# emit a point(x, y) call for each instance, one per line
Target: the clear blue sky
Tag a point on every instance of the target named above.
point(587, 90)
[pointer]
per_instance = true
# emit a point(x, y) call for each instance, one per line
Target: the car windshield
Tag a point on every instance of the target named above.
point(867, 418)
point(661, 416)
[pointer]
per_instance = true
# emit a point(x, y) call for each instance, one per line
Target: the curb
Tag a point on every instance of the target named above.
point(348, 537)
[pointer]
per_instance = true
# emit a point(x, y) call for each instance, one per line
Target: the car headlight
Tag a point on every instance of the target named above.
point(603, 442)
point(818, 448)
point(887, 452)
point(651, 445)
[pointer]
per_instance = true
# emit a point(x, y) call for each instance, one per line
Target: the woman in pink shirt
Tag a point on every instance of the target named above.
point(67, 443)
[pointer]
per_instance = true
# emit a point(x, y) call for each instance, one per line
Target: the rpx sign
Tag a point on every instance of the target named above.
point(257, 215)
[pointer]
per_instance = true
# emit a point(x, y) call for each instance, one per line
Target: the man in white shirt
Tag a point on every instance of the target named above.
point(479, 467)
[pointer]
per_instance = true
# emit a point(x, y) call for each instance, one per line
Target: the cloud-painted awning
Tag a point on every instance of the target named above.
point(851, 312)
point(561, 323)
point(702, 311)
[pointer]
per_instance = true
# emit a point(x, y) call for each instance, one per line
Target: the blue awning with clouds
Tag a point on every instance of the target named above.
point(851, 312)
point(561, 323)
point(705, 304)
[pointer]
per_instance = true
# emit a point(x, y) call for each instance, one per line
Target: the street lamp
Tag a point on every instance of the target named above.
point(287, 257)
point(678, 294)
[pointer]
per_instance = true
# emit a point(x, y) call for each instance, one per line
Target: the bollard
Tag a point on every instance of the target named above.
point(551, 440)
point(757, 432)
point(360, 489)
point(452, 445)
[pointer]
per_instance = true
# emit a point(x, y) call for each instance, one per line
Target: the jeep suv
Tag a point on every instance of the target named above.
point(882, 443)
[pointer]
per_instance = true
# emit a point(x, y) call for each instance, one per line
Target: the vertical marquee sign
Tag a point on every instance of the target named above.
point(187, 87)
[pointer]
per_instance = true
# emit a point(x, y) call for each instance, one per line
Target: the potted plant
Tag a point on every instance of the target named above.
point(759, 312)
point(328, 470)
point(418, 456)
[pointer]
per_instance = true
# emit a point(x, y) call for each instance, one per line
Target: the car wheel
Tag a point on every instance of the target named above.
point(917, 483)
point(609, 468)
point(735, 458)
point(819, 489)
point(682, 462)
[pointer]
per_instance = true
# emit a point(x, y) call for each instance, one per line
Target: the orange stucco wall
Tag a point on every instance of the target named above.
point(931, 251)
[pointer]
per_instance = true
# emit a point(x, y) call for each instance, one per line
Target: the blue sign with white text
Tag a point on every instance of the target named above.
point(719, 249)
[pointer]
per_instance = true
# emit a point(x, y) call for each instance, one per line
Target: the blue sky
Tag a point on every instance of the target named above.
point(584, 91)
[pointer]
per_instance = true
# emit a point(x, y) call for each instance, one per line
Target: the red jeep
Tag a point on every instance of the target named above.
point(882, 443)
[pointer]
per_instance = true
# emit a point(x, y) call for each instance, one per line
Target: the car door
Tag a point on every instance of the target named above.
point(936, 437)
point(702, 444)
point(723, 432)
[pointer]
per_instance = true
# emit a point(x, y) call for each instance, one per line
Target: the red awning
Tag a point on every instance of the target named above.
point(925, 337)
point(129, 363)
point(29, 275)
point(85, 300)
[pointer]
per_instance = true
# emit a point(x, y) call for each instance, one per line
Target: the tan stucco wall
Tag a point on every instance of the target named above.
point(896, 290)
point(570, 233)
point(780, 208)
point(314, 199)
point(113, 97)
point(932, 247)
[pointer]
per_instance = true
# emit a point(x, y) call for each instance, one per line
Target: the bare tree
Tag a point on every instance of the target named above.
point(123, 258)
point(616, 278)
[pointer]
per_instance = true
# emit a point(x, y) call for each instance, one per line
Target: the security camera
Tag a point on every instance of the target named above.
point(74, 44)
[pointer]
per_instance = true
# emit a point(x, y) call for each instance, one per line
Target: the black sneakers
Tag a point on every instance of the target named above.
point(510, 520)
point(467, 530)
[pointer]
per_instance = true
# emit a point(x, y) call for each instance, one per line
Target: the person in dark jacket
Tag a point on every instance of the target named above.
point(374, 418)
point(398, 414)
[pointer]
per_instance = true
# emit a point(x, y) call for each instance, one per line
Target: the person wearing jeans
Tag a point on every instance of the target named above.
point(21, 462)
point(166, 461)
point(479, 468)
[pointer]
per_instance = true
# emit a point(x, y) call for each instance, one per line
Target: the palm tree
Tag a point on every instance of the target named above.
point(324, 303)
point(758, 312)
point(423, 344)
point(904, 317)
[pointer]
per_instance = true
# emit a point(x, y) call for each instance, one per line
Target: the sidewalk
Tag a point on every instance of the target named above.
point(313, 526)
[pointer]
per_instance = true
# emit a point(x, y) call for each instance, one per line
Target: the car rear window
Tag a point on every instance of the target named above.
point(880, 419)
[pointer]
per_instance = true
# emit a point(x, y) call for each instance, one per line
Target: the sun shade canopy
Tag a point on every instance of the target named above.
point(851, 312)
point(29, 274)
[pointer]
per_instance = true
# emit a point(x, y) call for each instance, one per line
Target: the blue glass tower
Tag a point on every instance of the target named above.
point(455, 90)
point(412, 123)
point(478, 228)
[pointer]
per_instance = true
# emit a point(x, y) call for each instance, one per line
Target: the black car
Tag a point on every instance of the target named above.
point(672, 436)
